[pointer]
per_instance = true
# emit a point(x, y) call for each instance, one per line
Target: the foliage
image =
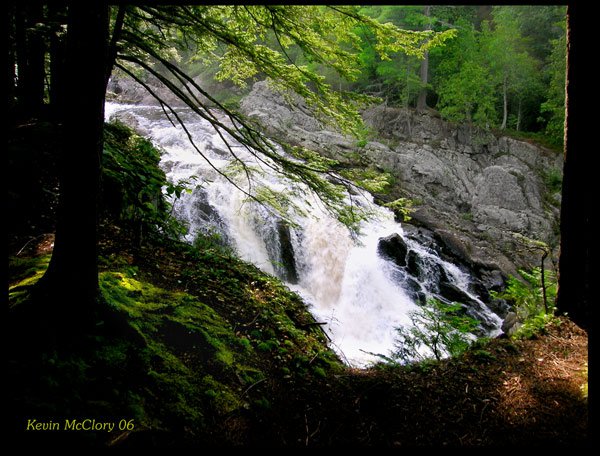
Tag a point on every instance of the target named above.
point(553, 180)
point(133, 182)
point(512, 69)
point(526, 297)
point(437, 329)
point(467, 96)
point(371, 179)
point(397, 77)
point(193, 350)
point(553, 108)
point(286, 45)
point(24, 272)
point(402, 208)
point(466, 92)
point(333, 56)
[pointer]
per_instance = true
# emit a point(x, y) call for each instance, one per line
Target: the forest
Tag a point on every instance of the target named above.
point(297, 226)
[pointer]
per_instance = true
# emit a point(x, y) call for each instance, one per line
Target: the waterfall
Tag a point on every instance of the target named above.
point(359, 293)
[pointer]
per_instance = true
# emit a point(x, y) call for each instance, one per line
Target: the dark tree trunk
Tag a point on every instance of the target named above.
point(30, 58)
point(575, 259)
point(424, 72)
point(21, 53)
point(57, 92)
point(72, 276)
point(11, 76)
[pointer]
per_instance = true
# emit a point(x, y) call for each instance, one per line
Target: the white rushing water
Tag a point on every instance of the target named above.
point(343, 279)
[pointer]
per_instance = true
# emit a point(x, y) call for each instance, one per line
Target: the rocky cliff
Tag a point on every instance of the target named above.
point(476, 193)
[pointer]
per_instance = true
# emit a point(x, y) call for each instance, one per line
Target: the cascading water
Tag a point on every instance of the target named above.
point(347, 282)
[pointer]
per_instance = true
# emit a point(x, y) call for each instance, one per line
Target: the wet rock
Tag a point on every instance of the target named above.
point(425, 269)
point(394, 248)
point(413, 289)
point(287, 253)
point(454, 294)
point(500, 307)
point(421, 235)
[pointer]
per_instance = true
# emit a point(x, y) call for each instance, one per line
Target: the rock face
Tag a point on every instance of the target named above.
point(474, 190)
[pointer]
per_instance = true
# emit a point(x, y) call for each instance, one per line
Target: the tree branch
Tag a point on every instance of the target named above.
point(188, 134)
point(116, 35)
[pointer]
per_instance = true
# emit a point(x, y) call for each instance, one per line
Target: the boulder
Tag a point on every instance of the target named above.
point(499, 306)
point(511, 324)
point(454, 294)
point(394, 248)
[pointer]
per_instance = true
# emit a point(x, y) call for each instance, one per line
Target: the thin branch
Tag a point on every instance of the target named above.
point(205, 114)
point(190, 138)
point(257, 138)
point(116, 35)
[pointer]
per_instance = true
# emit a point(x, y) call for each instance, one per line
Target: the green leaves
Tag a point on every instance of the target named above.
point(437, 329)
point(248, 41)
point(402, 208)
point(133, 182)
point(527, 299)
point(553, 108)
point(526, 295)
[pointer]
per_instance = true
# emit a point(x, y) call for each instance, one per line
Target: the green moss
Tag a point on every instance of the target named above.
point(192, 357)
point(24, 272)
point(263, 402)
point(222, 397)
point(369, 178)
point(319, 371)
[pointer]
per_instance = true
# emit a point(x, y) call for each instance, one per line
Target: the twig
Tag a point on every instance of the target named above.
point(253, 385)
point(28, 242)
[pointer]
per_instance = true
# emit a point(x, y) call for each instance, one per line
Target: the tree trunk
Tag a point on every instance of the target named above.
point(72, 276)
point(505, 104)
point(424, 72)
point(576, 239)
point(519, 116)
point(21, 54)
point(30, 59)
point(11, 76)
point(422, 100)
point(57, 49)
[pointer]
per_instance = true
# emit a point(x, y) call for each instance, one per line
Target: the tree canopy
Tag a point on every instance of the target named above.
point(245, 41)
point(502, 69)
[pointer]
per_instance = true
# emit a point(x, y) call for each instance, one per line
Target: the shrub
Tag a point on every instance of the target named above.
point(437, 329)
point(527, 298)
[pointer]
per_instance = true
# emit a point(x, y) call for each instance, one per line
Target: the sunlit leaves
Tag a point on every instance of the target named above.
point(251, 41)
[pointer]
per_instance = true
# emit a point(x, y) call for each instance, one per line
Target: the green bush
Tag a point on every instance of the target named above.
point(437, 327)
point(527, 299)
point(133, 183)
point(553, 180)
